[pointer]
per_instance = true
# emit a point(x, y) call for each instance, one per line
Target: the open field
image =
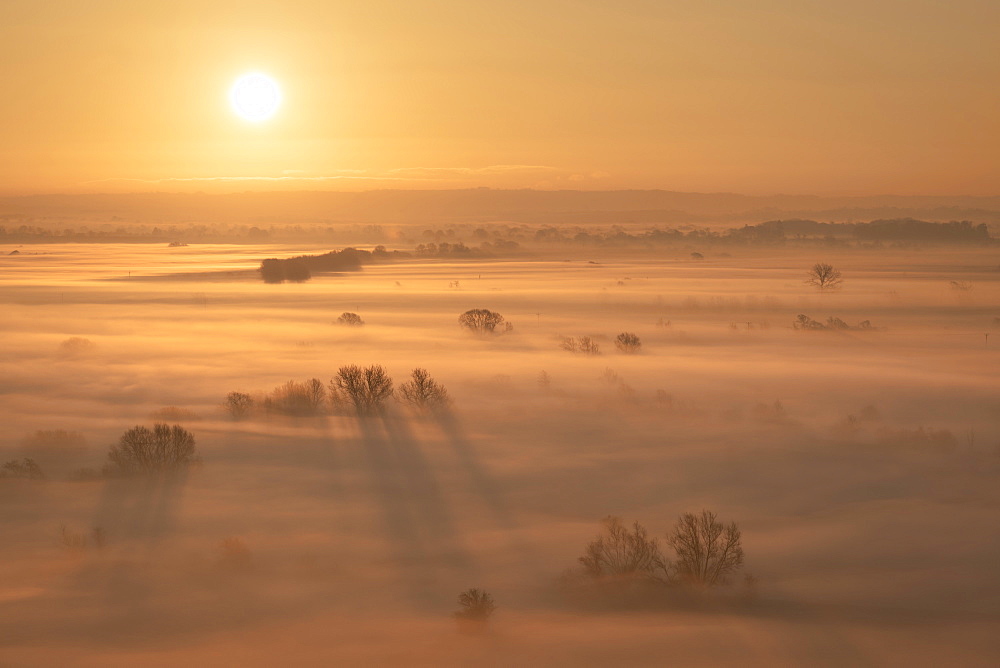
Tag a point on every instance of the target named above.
point(862, 465)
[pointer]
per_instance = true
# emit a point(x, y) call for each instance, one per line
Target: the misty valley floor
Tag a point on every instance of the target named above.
point(872, 531)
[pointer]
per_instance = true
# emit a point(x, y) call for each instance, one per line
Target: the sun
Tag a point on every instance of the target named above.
point(255, 97)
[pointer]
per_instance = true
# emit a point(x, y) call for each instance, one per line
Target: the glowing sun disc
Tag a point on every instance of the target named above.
point(255, 97)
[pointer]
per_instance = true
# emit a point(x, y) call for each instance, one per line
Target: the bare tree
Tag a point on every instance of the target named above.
point(239, 404)
point(585, 345)
point(624, 553)
point(301, 399)
point(144, 450)
point(367, 388)
point(476, 605)
point(315, 395)
point(627, 342)
point(483, 321)
point(589, 346)
point(423, 392)
point(707, 551)
point(824, 276)
point(350, 319)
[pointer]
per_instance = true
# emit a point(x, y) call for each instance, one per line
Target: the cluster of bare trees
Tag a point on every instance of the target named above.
point(354, 389)
point(141, 450)
point(350, 319)
point(626, 342)
point(706, 552)
point(294, 398)
point(364, 388)
point(583, 345)
point(484, 322)
point(25, 468)
point(803, 321)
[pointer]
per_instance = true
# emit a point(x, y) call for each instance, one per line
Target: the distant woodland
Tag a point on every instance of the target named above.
point(504, 238)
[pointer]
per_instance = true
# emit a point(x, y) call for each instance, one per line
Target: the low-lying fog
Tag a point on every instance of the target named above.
point(861, 464)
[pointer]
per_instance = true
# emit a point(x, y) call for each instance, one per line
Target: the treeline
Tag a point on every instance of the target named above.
point(132, 232)
point(903, 229)
point(358, 390)
point(486, 240)
point(301, 268)
point(460, 250)
point(779, 232)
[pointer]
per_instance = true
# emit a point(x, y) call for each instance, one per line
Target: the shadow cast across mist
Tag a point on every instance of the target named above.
point(419, 525)
point(473, 467)
point(141, 509)
point(482, 481)
point(134, 515)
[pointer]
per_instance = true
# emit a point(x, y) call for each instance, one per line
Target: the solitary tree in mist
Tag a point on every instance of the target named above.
point(476, 605)
point(239, 404)
point(76, 346)
point(707, 551)
point(350, 319)
point(824, 276)
point(627, 342)
point(423, 392)
point(366, 388)
point(143, 450)
point(624, 553)
point(483, 321)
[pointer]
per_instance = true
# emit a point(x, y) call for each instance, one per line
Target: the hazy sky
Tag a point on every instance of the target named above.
point(795, 96)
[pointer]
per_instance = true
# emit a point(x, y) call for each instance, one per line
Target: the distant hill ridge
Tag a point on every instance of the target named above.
point(485, 205)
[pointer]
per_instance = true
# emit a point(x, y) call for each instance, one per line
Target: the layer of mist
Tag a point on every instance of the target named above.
point(860, 463)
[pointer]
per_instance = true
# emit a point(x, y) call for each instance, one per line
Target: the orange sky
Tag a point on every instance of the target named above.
point(794, 96)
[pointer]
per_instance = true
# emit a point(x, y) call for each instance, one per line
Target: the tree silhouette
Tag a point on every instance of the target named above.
point(476, 605)
point(483, 321)
point(350, 319)
point(707, 551)
point(300, 399)
point(423, 392)
point(824, 276)
point(627, 342)
point(624, 553)
point(584, 345)
point(239, 404)
point(143, 450)
point(367, 388)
